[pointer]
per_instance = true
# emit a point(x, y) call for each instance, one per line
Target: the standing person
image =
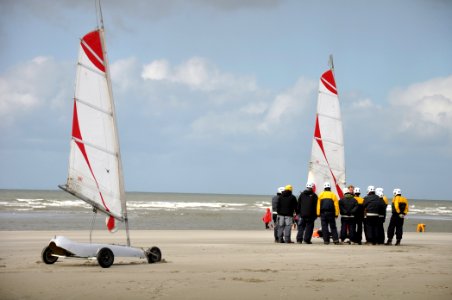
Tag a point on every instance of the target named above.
point(328, 211)
point(372, 209)
point(267, 218)
point(287, 204)
point(382, 215)
point(359, 216)
point(275, 200)
point(307, 211)
point(399, 211)
point(348, 207)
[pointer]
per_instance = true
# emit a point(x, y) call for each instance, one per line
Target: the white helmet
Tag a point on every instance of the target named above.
point(379, 190)
point(397, 192)
point(309, 185)
point(370, 188)
point(379, 193)
point(345, 191)
point(281, 189)
point(326, 185)
point(357, 190)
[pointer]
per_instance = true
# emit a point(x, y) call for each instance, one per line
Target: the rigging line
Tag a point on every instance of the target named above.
point(92, 70)
point(97, 108)
point(95, 146)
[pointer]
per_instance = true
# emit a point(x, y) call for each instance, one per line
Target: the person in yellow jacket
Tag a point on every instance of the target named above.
point(328, 211)
point(399, 211)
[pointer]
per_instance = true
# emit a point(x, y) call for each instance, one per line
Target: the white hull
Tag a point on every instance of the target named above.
point(88, 250)
point(105, 254)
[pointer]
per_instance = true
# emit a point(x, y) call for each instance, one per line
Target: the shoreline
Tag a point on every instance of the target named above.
point(225, 264)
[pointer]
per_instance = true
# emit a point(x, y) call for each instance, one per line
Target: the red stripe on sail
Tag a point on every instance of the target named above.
point(318, 138)
point(328, 81)
point(92, 39)
point(76, 133)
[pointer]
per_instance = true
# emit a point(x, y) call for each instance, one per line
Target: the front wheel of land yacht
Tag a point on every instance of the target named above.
point(153, 255)
point(47, 256)
point(105, 257)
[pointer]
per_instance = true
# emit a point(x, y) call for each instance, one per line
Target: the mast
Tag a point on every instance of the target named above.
point(110, 91)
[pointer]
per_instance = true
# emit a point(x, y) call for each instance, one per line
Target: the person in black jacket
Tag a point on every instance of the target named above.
point(348, 207)
point(307, 211)
point(287, 204)
point(372, 209)
point(275, 200)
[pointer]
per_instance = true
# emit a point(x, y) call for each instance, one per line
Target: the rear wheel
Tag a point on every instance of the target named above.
point(153, 255)
point(47, 256)
point(105, 257)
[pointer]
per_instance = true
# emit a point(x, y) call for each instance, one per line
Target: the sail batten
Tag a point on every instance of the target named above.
point(327, 162)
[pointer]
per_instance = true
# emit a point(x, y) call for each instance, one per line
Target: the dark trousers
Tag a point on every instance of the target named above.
point(372, 223)
point(348, 229)
point(359, 230)
point(381, 231)
point(329, 228)
point(396, 223)
point(305, 229)
point(275, 226)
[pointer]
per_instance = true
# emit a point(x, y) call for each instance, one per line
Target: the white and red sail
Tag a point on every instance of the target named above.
point(95, 171)
point(327, 163)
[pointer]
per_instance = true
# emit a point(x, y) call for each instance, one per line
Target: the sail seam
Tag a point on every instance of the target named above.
point(97, 108)
point(92, 69)
point(77, 140)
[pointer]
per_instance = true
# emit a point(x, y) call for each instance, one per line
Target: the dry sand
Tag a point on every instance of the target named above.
point(230, 265)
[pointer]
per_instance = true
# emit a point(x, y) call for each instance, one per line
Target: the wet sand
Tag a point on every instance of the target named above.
point(229, 265)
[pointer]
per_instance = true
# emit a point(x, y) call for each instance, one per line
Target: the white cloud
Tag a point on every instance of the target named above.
point(425, 108)
point(34, 84)
point(289, 103)
point(198, 74)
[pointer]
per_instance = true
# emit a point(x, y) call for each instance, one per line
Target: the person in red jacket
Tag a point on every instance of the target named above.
point(267, 218)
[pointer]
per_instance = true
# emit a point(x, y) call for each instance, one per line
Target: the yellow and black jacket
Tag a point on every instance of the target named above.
point(399, 205)
point(327, 202)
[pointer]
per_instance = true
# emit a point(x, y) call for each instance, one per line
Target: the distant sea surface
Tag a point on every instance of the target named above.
point(57, 210)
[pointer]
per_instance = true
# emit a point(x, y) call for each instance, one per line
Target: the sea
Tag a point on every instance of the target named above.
point(56, 210)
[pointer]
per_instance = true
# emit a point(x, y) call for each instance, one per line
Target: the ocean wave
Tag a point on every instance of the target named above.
point(155, 205)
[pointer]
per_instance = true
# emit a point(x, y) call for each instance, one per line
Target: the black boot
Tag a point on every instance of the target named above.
point(389, 242)
point(397, 243)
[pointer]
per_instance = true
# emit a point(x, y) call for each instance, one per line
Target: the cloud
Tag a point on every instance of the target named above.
point(39, 83)
point(290, 103)
point(425, 109)
point(198, 74)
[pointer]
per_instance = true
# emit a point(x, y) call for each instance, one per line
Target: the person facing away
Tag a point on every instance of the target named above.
point(399, 211)
point(328, 211)
point(275, 200)
point(287, 204)
point(372, 209)
point(359, 216)
point(348, 207)
point(382, 214)
point(307, 211)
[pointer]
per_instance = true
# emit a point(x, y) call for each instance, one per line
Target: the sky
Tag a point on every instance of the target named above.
point(220, 96)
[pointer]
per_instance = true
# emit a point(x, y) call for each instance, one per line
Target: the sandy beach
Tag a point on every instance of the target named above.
point(229, 265)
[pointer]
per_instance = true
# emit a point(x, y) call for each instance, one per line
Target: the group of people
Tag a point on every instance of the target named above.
point(357, 214)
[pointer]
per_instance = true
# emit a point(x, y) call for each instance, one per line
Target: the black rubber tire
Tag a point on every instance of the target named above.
point(47, 256)
point(154, 255)
point(105, 257)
